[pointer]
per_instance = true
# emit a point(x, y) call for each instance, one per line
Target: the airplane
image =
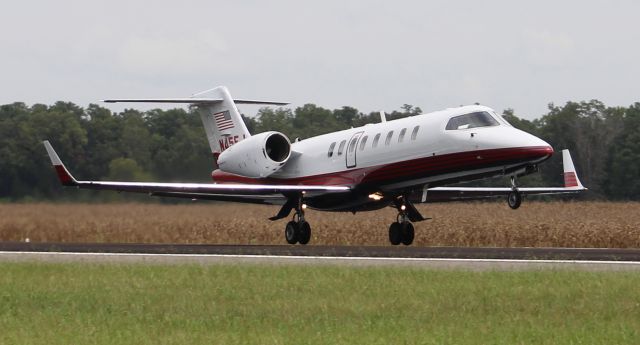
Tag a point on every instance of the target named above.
point(388, 164)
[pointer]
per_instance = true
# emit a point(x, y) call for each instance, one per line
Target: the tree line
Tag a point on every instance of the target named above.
point(170, 145)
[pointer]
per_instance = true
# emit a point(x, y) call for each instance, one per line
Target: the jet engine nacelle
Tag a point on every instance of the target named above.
point(257, 156)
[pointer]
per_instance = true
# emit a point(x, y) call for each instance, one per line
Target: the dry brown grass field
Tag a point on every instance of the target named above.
point(535, 224)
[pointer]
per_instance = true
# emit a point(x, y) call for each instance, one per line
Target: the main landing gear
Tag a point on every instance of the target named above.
point(402, 231)
point(514, 198)
point(298, 230)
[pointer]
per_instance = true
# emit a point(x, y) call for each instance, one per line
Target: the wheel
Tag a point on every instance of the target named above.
point(514, 199)
point(291, 232)
point(408, 233)
point(304, 232)
point(395, 233)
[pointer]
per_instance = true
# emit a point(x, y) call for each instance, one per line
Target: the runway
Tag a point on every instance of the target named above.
point(592, 254)
point(434, 257)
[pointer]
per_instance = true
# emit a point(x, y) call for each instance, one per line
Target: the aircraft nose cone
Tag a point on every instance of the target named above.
point(545, 148)
point(539, 148)
point(538, 144)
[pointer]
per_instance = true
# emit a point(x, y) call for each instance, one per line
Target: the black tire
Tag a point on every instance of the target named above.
point(304, 233)
point(408, 233)
point(514, 199)
point(395, 233)
point(291, 232)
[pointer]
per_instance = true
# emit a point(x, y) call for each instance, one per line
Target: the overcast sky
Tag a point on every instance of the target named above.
point(373, 55)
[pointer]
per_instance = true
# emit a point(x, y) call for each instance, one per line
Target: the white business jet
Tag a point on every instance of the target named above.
point(388, 164)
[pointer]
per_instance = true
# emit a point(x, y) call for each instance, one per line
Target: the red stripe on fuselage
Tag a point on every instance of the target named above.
point(468, 160)
point(431, 165)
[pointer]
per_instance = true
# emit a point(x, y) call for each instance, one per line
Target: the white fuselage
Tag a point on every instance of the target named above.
point(390, 160)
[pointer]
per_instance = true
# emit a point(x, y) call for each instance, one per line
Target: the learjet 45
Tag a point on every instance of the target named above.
point(389, 164)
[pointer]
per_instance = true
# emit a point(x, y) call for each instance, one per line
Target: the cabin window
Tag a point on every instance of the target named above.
point(375, 140)
point(388, 140)
point(363, 142)
point(401, 135)
point(352, 144)
point(331, 147)
point(473, 120)
point(414, 134)
point(341, 147)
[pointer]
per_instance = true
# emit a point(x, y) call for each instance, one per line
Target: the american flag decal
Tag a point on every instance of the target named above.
point(223, 120)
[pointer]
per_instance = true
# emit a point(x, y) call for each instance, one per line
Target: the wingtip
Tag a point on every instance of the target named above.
point(570, 175)
point(64, 175)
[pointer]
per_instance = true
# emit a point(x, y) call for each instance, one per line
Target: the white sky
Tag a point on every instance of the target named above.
point(373, 55)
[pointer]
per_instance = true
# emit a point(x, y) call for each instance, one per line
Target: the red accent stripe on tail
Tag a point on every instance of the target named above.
point(63, 175)
point(570, 179)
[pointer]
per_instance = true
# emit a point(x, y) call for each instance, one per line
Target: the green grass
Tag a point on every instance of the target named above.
point(240, 304)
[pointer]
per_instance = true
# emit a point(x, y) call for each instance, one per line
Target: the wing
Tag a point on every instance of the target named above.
point(248, 193)
point(572, 184)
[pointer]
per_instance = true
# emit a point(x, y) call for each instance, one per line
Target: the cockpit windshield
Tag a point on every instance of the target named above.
point(501, 118)
point(473, 120)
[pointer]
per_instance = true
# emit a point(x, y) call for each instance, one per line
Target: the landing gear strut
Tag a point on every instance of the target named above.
point(402, 231)
point(514, 198)
point(298, 230)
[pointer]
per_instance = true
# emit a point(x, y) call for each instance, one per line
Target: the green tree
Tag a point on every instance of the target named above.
point(126, 169)
point(347, 116)
point(623, 163)
point(519, 123)
point(311, 120)
point(104, 131)
point(587, 129)
point(280, 120)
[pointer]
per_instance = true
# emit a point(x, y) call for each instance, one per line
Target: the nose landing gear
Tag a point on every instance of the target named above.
point(514, 198)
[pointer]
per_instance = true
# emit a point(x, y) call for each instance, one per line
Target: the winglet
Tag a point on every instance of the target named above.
point(63, 174)
point(571, 179)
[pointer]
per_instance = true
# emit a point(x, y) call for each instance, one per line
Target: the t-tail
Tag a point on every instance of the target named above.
point(222, 121)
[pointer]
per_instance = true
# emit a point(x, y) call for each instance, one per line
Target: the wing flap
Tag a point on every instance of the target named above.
point(473, 193)
point(247, 199)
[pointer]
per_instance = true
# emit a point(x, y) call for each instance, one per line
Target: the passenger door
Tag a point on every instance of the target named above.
point(352, 148)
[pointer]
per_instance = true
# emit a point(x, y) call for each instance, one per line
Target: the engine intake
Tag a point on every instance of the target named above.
point(257, 156)
point(278, 147)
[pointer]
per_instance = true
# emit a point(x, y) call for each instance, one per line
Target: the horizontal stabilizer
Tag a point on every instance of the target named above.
point(197, 101)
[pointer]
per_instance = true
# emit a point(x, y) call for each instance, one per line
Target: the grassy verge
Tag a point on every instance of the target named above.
point(240, 304)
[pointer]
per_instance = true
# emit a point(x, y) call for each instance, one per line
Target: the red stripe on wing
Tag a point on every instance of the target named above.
point(570, 179)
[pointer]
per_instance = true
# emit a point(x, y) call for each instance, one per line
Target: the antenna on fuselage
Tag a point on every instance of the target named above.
point(383, 117)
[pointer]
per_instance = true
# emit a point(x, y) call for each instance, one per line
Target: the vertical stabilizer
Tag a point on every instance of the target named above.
point(222, 121)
